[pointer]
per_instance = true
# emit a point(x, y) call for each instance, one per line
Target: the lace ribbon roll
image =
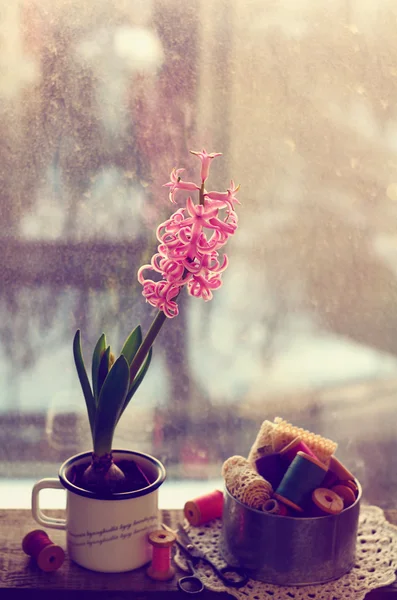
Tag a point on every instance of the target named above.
point(263, 444)
point(231, 463)
point(284, 433)
point(244, 483)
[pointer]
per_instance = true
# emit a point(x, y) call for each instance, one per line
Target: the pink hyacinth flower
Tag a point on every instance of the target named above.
point(187, 254)
point(187, 257)
point(160, 294)
point(222, 198)
point(176, 183)
point(205, 162)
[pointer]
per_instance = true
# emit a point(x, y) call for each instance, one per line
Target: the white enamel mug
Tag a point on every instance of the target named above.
point(107, 535)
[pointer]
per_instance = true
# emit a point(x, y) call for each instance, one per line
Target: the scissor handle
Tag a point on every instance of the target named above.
point(191, 584)
point(232, 576)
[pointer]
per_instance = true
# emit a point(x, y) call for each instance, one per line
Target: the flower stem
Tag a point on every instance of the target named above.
point(201, 200)
point(147, 343)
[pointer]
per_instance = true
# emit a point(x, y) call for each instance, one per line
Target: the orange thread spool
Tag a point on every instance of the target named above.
point(352, 485)
point(161, 568)
point(204, 509)
point(48, 556)
point(326, 502)
point(340, 470)
point(346, 493)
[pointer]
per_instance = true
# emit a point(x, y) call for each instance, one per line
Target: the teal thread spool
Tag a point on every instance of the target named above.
point(303, 476)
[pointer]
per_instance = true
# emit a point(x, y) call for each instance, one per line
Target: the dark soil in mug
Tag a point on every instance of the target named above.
point(135, 477)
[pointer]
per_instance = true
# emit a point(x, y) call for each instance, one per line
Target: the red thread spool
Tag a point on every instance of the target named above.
point(204, 509)
point(297, 445)
point(48, 556)
point(161, 568)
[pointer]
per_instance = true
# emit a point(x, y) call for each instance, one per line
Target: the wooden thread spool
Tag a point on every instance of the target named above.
point(340, 470)
point(272, 468)
point(161, 568)
point(346, 493)
point(273, 507)
point(352, 485)
point(204, 509)
point(48, 556)
point(288, 453)
point(326, 502)
point(304, 475)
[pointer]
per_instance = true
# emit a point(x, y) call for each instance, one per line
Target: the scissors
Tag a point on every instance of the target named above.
point(193, 583)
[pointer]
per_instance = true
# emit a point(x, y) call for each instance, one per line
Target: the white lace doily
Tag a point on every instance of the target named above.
point(376, 563)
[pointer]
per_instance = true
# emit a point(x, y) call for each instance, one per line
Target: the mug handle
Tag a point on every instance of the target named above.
point(38, 515)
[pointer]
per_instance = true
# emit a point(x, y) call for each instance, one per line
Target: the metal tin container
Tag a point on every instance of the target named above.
point(289, 550)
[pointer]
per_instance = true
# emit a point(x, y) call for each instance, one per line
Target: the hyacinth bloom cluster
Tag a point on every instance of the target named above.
point(190, 241)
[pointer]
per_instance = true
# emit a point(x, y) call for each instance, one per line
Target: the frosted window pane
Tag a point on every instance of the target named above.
point(98, 101)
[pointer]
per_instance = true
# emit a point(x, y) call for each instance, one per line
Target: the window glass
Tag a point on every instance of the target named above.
point(98, 101)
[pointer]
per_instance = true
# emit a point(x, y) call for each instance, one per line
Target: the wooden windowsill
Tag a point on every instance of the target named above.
point(18, 574)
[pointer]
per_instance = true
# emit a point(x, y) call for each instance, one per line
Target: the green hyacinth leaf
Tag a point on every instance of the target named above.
point(138, 379)
point(132, 344)
point(103, 369)
point(142, 372)
point(96, 360)
point(84, 382)
point(110, 403)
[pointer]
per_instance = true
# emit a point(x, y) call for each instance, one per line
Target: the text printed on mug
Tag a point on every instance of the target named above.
point(123, 531)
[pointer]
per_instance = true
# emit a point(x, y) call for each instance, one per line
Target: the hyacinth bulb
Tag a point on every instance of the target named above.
point(103, 475)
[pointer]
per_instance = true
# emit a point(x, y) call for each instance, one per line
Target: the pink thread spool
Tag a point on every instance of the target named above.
point(161, 568)
point(297, 445)
point(48, 556)
point(202, 510)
